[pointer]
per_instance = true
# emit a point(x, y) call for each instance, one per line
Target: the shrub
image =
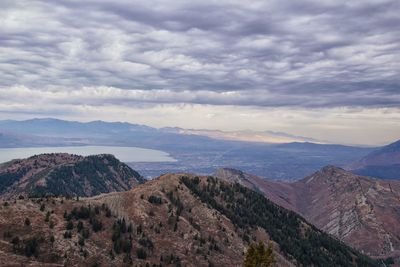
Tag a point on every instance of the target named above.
point(141, 253)
point(67, 234)
point(126, 245)
point(79, 226)
point(108, 213)
point(32, 247)
point(70, 225)
point(46, 219)
point(81, 241)
point(85, 233)
point(146, 242)
point(7, 234)
point(155, 200)
point(97, 225)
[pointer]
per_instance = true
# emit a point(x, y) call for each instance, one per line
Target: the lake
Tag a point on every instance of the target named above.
point(124, 154)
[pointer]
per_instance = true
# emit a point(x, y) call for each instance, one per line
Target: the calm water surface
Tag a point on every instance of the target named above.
point(125, 154)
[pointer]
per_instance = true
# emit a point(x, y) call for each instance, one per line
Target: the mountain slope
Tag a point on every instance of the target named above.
point(381, 163)
point(178, 220)
point(281, 193)
point(361, 211)
point(65, 174)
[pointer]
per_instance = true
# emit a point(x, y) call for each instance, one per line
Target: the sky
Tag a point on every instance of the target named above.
point(328, 70)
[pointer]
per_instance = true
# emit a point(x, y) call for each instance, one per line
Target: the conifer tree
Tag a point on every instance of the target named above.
point(257, 255)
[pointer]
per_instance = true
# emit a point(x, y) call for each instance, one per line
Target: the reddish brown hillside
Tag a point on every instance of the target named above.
point(176, 220)
point(199, 236)
point(362, 211)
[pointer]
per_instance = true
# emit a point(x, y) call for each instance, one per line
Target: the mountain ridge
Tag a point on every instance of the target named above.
point(178, 219)
point(361, 211)
point(382, 163)
point(66, 174)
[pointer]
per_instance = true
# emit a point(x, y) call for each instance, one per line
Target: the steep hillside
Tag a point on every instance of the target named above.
point(176, 220)
point(361, 211)
point(281, 193)
point(65, 174)
point(382, 163)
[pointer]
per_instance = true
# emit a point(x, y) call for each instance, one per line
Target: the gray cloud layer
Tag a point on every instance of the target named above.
point(261, 53)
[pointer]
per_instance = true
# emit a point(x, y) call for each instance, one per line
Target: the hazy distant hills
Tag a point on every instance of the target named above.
point(361, 211)
point(22, 139)
point(175, 220)
point(97, 132)
point(65, 174)
point(246, 136)
point(381, 163)
point(194, 153)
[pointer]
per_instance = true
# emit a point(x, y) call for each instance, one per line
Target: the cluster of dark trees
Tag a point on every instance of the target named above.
point(248, 209)
point(8, 178)
point(81, 214)
point(123, 236)
point(28, 247)
point(122, 242)
point(94, 169)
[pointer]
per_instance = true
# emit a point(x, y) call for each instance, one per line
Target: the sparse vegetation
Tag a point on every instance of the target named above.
point(134, 241)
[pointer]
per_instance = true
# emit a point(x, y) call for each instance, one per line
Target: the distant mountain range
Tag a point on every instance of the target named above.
point(66, 175)
point(194, 152)
point(269, 137)
point(361, 211)
point(381, 163)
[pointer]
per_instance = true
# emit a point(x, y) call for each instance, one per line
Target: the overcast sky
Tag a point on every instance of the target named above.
point(329, 70)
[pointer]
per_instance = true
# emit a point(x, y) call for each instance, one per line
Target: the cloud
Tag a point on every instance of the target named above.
point(72, 58)
point(310, 53)
point(102, 95)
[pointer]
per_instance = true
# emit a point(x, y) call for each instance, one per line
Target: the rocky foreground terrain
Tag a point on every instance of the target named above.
point(66, 175)
point(361, 211)
point(175, 220)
